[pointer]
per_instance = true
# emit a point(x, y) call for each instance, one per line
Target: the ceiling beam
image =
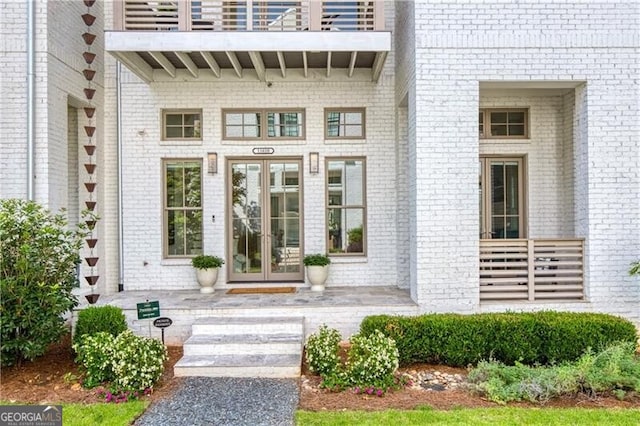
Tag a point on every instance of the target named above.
point(186, 60)
point(235, 63)
point(352, 63)
point(305, 64)
point(136, 65)
point(283, 65)
point(258, 64)
point(164, 63)
point(211, 61)
point(328, 64)
point(378, 64)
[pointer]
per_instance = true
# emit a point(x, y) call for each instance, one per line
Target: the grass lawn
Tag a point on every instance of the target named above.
point(99, 414)
point(478, 416)
point(102, 414)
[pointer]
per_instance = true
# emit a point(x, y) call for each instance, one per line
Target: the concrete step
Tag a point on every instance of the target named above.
point(240, 344)
point(247, 325)
point(270, 365)
point(243, 347)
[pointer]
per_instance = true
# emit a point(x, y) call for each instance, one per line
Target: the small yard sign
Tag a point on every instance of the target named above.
point(148, 310)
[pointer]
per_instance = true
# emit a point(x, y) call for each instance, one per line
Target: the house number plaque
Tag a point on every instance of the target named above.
point(263, 150)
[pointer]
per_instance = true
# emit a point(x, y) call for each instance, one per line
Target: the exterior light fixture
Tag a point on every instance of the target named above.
point(314, 162)
point(212, 162)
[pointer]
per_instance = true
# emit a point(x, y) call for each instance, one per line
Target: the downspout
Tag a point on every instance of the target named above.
point(31, 52)
point(119, 148)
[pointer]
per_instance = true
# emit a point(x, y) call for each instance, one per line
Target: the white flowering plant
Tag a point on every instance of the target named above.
point(138, 362)
point(322, 351)
point(131, 363)
point(372, 362)
point(95, 353)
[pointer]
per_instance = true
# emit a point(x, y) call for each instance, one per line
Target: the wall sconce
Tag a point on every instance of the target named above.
point(314, 162)
point(212, 163)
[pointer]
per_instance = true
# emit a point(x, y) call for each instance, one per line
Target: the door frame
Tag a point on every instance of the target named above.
point(484, 215)
point(266, 276)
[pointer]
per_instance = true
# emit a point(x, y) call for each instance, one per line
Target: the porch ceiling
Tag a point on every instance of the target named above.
point(264, 56)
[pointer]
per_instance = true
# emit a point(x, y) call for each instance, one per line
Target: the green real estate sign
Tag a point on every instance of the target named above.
point(148, 310)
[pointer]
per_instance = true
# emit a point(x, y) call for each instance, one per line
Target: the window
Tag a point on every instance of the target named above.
point(182, 207)
point(344, 123)
point(346, 206)
point(502, 199)
point(181, 125)
point(247, 125)
point(504, 123)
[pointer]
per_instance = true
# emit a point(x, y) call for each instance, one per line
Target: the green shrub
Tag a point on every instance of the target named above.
point(371, 364)
point(95, 319)
point(95, 354)
point(131, 363)
point(529, 338)
point(316, 259)
point(614, 370)
point(37, 273)
point(372, 361)
point(138, 362)
point(205, 261)
point(322, 351)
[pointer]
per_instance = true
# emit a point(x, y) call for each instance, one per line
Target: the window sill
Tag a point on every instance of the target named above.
point(345, 141)
point(183, 142)
point(176, 262)
point(348, 259)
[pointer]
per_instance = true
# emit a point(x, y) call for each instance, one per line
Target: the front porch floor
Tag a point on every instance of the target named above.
point(342, 308)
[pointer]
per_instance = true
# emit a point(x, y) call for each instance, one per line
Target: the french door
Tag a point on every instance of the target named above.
point(264, 229)
point(502, 205)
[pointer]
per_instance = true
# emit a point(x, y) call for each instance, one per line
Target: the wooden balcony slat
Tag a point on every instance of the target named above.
point(548, 269)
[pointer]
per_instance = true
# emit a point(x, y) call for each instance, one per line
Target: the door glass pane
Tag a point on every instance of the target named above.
point(285, 218)
point(246, 218)
point(505, 199)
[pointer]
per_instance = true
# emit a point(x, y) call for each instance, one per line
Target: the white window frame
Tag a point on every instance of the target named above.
point(341, 125)
point(197, 128)
point(484, 125)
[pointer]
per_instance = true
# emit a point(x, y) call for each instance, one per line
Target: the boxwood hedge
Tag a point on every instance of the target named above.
point(530, 338)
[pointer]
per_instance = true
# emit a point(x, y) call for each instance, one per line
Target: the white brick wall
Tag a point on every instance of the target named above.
point(142, 179)
point(458, 45)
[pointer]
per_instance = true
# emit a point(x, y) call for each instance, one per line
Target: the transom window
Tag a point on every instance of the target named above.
point(344, 123)
point(249, 124)
point(182, 208)
point(181, 124)
point(346, 206)
point(503, 123)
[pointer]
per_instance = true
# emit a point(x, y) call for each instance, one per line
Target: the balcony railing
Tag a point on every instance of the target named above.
point(248, 15)
point(531, 270)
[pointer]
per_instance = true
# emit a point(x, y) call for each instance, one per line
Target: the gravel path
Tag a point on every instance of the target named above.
point(226, 401)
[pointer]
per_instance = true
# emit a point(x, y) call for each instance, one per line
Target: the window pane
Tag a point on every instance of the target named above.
point(193, 231)
point(354, 183)
point(234, 131)
point(174, 184)
point(353, 118)
point(252, 118)
point(353, 223)
point(516, 130)
point(498, 130)
point(174, 119)
point(174, 132)
point(192, 183)
point(353, 131)
point(498, 118)
point(516, 117)
point(189, 119)
point(233, 119)
point(175, 230)
point(251, 131)
point(188, 132)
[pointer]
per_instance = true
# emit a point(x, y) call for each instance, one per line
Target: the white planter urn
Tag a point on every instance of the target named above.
point(207, 278)
point(317, 276)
